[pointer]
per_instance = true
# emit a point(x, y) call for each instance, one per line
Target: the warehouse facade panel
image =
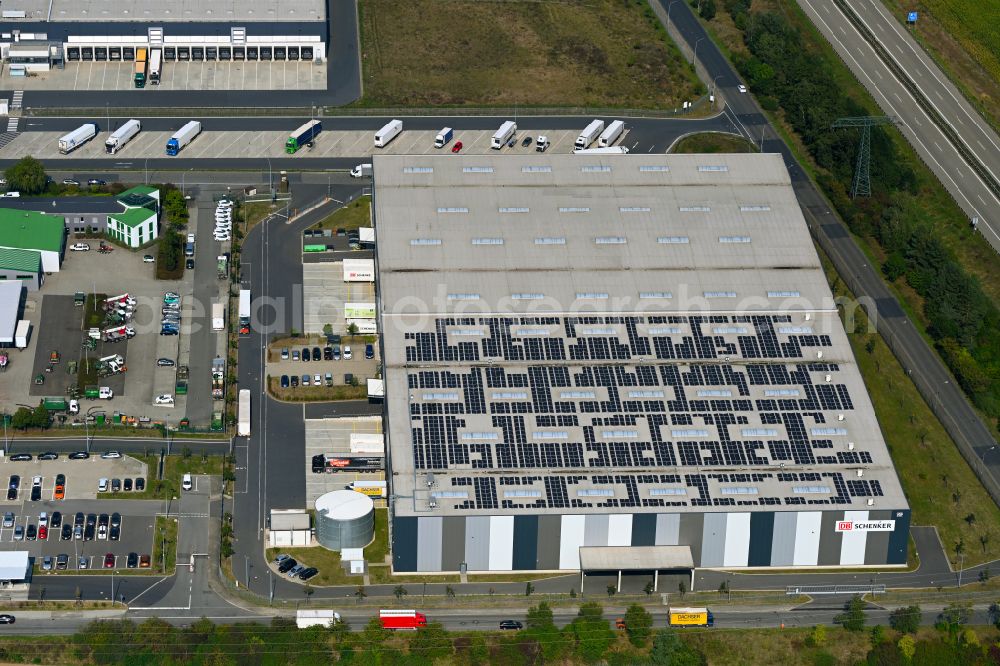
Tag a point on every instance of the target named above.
point(644, 353)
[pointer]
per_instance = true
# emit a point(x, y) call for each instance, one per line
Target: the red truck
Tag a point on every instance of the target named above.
point(402, 619)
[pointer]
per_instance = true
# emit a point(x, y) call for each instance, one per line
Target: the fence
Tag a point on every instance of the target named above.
point(353, 111)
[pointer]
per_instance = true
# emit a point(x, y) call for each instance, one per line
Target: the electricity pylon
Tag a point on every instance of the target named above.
point(862, 185)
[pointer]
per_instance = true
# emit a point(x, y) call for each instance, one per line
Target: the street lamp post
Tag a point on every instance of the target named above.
point(247, 558)
point(694, 56)
point(714, 87)
point(669, 7)
point(270, 179)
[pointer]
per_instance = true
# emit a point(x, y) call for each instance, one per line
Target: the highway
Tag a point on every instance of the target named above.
point(974, 438)
point(971, 189)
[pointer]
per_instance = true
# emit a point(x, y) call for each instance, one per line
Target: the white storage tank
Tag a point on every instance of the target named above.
point(345, 519)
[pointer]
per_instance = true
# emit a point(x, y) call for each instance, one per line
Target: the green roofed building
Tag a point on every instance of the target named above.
point(29, 230)
point(135, 227)
point(23, 265)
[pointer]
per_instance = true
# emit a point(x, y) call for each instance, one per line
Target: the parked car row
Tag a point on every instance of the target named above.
point(291, 568)
point(105, 485)
point(171, 311)
point(327, 353)
point(52, 455)
point(316, 380)
point(61, 561)
point(223, 220)
point(103, 527)
point(14, 486)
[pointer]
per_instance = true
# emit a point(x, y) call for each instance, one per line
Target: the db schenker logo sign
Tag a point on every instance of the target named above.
point(866, 525)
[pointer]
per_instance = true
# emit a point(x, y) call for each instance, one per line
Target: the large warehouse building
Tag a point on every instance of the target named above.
point(585, 352)
point(36, 34)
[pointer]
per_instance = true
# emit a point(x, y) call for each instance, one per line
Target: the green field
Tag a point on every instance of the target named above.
point(351, 216)
point(969, 50)
point(713, 142)
point(570, 53)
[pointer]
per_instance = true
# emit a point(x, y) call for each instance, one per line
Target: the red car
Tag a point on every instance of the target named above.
point(457, 147)
point(43, 532)
point(109, 561)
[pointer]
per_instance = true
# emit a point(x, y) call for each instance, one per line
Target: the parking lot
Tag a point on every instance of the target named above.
point(57, 326)
point(334, 436)
point(188, 75)
point(263, 144)
point(86, 547)
point(359, 367)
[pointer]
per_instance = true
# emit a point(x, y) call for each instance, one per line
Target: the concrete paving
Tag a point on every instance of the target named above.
point(115, 273)
point(324, 294)
point(81, 477)
point(334, 436)
point(176, 76)
point(271, 143)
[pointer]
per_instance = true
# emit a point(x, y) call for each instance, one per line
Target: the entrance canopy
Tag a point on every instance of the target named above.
point(635, 558)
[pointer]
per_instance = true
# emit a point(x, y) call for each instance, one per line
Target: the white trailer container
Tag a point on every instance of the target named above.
point(388, 133)
point(77, 138)
point(218, 316)
point(363, 442)
point(359, 270)
point(362, 171)
point(316, 618)
point(370, 488)
point(155, 61)
point(121, 136)
point(443, 137)
point(610, 150)
point(243, 428)
point(183, 137)
point(590, 133)
point(503, 135)
point(22, 334)
point(611, 134)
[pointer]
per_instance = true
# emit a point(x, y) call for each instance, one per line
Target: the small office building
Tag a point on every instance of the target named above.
point(131, 218)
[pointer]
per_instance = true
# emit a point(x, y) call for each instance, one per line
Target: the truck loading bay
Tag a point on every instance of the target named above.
point(186, 75)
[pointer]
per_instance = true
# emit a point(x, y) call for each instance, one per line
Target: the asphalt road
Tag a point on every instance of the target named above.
point(974, 438)
point(271, 462)
point(822, 611)
point(931, 143)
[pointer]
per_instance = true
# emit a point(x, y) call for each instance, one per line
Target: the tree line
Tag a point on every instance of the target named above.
point(586, 640)
point(963, 322)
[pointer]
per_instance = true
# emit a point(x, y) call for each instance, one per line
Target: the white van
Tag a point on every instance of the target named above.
point(102, 485)
point(186, 483)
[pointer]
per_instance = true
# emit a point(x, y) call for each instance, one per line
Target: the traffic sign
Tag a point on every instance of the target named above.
point(911, 17)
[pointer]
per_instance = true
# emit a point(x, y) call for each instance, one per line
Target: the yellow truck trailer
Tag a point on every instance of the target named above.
point(690, 617)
